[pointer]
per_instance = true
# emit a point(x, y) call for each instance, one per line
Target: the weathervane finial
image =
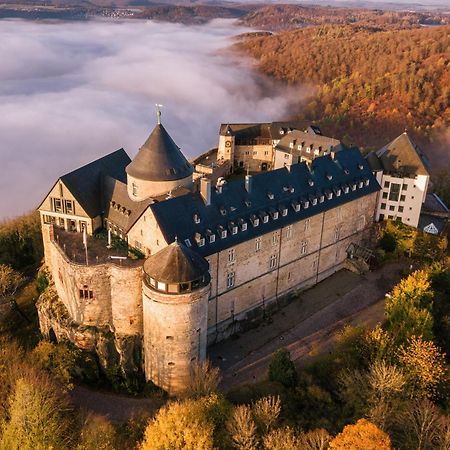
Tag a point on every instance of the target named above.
point(158, 113)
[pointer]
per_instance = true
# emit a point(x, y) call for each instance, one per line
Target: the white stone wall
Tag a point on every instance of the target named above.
point(408, 209)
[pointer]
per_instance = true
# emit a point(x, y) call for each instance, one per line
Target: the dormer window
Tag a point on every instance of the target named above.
point(248, 203)
point(223, 211)
point(222, 232)
point(199, 239)
point(270, 195)
point(211, 236)
point(329, 176)
point(283, 211)
point(295, 206)
point(360, 166)
point(329, 195)
point(345, 189)
point(346, 171)
point(196, 218)
point(361, 184)
point(321, 198)
point(338, 192)
point(305, 204)
point(308, 149)
point(233, 228)
point(264, 216)
point(273, 213)
point(254, 220)
point(314, 201)
point(311, 182)
point(353, 186)
point(188, 243)
point(366, 182)
point(243, 224)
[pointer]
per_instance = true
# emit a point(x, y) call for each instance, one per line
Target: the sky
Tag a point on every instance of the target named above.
point(73, 92)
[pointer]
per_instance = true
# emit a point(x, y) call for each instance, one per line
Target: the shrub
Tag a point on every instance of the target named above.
point(388, 243)
point(282, 369)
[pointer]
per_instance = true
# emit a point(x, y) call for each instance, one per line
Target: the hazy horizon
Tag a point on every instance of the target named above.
point(71, 92)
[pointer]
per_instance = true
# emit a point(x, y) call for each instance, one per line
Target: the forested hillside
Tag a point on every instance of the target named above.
point(366, 86)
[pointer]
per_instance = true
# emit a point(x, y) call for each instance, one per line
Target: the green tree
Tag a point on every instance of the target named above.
point(282, 369)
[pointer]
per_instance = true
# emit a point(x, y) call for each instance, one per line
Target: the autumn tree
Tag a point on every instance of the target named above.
point(97, 433)
point(265, 412)
point(242, 429)
point(39, 416)
point(205, 379)
point(10, 282)
point(315, 440)
point(363, 435)
point(424, 366)
point(282, 439)
point(186, 425)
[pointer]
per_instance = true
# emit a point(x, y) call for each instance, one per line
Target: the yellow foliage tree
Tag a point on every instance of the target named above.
point(424, 367)
point(363, 435)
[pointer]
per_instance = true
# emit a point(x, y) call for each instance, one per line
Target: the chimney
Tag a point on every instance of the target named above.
point(205, 190)
point(248, 183)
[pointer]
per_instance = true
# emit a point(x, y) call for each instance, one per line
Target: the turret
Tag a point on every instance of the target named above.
point(158, 168)
point(226, 144)
point(175, 303)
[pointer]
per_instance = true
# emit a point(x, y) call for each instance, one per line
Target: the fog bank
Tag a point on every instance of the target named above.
point(72, 92)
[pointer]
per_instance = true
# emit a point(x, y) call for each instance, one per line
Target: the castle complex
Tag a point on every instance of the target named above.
point(155, 258)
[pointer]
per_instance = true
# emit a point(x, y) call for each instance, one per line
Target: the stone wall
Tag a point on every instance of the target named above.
point(175, 336)
point(305, 253)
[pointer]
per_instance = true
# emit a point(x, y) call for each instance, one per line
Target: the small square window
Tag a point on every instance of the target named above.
point(383, 206)
point(402, 198)
point(385, 195)
point(392, 208)
point(400, 209)
point(405, 187)
point(386, 184)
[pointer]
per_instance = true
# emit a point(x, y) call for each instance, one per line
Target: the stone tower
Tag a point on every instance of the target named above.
point(175, 304)
point(158, 168)
point(226, 145)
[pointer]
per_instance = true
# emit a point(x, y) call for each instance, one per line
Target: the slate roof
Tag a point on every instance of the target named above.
point(86, 183)
point(281, 190)
point(273, 130)
point(159, 159)
point(307, 139)
point(176, 264)
point(118, 206)
point(403, 157)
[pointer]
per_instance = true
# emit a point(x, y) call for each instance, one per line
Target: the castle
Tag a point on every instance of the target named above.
point(211, 253)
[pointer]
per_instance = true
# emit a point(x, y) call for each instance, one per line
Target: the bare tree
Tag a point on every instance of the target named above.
point(266, 411)
point(205, 379)
point(282, 439)
point(242, 429)
point(315, 440)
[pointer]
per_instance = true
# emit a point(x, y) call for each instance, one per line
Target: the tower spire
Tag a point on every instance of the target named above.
point(158, 113)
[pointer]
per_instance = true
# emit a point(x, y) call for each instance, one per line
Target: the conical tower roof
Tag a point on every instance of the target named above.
point(176, 264)
point(159, 159)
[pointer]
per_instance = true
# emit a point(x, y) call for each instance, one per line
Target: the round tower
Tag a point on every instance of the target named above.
point(175, 302)
point(158, 167)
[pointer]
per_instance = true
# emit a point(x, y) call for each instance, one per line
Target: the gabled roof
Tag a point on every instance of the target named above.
point(86, 183)
point(176, 264)
point(273, 130)
point(118, 207)
point(187, 216)
point(402, 156)
point(307, 139)
point(159, 159)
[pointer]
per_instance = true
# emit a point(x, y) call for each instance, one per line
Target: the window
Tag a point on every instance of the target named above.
point(307, 224)
point(230, 280)
point(386, 184)
point(337, 233)
point(134, 189)
point(390, 217)
point(383, 206)
point(402, 198)
point(385, 195)
point(304, 247)
point(288, 231)
point(57, 205)
point(405, 187)
point(273, 261)
point(400, 209)
point(394, 192)
point(187, 242)
point(86, 293)
point(275, 238)
point(257, 244)
point(69, 207)
point(231, 255)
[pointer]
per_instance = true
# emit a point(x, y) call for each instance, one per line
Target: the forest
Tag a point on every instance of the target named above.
point(365, 85)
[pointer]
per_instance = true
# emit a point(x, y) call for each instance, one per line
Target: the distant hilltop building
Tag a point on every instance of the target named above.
point(211, 255)
point(401, 170)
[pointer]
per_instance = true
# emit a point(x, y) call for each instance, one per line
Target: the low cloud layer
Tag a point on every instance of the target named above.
point(72, 92)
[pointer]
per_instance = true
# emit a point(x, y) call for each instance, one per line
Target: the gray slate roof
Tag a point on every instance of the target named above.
point(403, 157)
point(86, 183)
point(118, 206)
point(176, 264)
point(159, 159)
point(235, 206)
point(273, 130)
point(307, 139)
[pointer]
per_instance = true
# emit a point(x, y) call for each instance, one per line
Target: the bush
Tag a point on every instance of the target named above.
point(388, 243)
point(282, 369)
point(41, 282)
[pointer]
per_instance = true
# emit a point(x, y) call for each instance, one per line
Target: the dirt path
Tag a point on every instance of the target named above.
point(118, 408)
point(307, 327)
